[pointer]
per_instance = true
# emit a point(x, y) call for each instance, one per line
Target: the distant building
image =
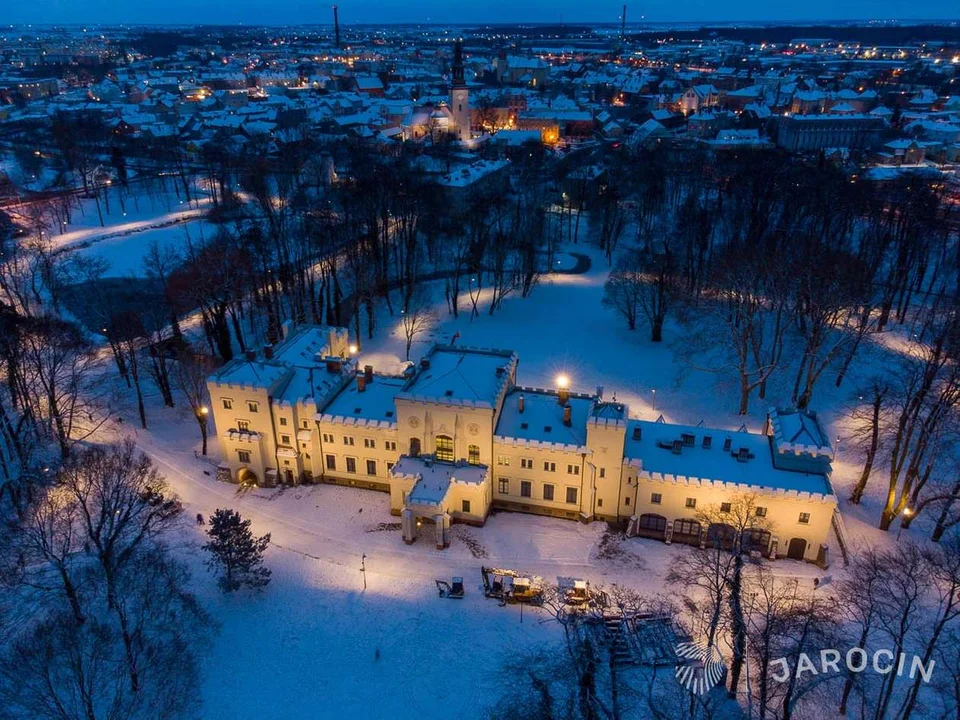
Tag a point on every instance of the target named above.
point(804, 133)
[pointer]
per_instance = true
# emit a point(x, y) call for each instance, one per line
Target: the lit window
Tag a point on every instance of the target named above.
point(503, 486)
point(473, 454)
point(444, 448)
point(503, 459)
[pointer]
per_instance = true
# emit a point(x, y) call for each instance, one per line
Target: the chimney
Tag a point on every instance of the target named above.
point(567, 415)
point(520, 403)
point(334, 365)
point(425, 363)
point(336, 28)
point(637, 432)
point(361, 383)
point(368, 373)
point(563, 395)
point(600, 392)
point(268, 351)
point(251, 355)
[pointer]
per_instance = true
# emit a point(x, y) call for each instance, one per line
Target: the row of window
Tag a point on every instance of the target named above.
point(526, 490)
point(759, 511)
point(527, 464)
point(369, 443)
point(351, 464)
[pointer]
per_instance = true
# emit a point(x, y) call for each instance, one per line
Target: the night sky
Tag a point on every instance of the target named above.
point(289, 12)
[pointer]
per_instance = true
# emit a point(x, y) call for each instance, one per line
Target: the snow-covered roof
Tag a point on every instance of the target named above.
point(461, 375)
point(542, 418)
point(433, 479)
point(375, 402)
point(653, 448)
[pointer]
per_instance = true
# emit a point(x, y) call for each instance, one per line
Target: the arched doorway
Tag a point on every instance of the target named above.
point(686, 531)
point(414, 447)
point(797, 549)
point(246, 476)
point(444, 448)
point(652, 526)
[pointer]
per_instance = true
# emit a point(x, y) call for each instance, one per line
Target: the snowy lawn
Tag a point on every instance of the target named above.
point(314, 644)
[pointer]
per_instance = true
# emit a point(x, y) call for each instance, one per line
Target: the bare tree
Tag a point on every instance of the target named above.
point(419, 318)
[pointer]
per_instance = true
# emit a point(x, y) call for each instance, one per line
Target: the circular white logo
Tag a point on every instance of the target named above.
point(699, 667)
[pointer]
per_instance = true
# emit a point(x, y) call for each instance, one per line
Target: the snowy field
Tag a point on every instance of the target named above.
point(328, 648)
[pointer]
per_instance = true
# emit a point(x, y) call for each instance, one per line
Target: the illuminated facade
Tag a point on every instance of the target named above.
point(455, 436)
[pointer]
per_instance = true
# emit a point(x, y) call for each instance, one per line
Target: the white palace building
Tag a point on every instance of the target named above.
point(455, 437)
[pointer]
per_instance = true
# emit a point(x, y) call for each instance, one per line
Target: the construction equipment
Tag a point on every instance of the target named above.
point(579, 594)
point(510, 586)
point(451, 590)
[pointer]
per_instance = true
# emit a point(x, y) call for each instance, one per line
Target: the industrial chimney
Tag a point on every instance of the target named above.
point(520, 403)
point(336, 28)
point(623, 22)
point(567, 415)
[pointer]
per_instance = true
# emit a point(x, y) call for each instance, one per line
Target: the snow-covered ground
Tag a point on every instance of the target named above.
point(316, 639)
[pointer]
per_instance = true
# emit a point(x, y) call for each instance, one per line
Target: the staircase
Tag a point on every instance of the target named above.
point(615, 630)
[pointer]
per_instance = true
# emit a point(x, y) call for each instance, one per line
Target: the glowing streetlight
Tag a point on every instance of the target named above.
point(353, 349)
point(907, 514)
point(563, 382)
point(204, 410)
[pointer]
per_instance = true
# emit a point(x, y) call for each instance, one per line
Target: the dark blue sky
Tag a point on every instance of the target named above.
point(284, 12)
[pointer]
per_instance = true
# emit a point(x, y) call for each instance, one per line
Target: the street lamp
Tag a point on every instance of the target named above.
point(353, 349)
point(654, 391)
point(907, 514)
point(563, 382)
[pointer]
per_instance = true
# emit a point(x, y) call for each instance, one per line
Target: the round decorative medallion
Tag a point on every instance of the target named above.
point(414, 421)
point(473, 429)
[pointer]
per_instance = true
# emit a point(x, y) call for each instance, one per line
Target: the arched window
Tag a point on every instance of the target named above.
point(721, 535)
point(473, 454)
point(652, 526)
point(414, 447)
point(755, 539)
point(686, 531)
point(444, 448)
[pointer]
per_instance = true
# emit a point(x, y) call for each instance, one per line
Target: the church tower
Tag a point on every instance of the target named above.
point(460, 96)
